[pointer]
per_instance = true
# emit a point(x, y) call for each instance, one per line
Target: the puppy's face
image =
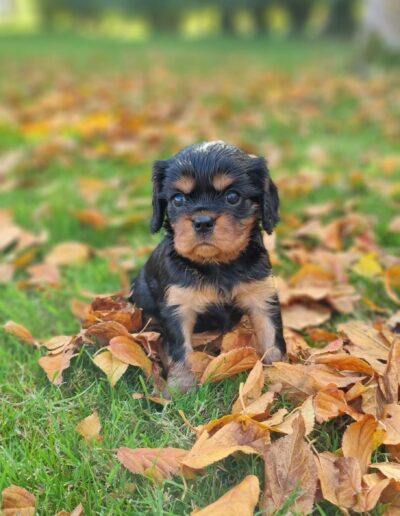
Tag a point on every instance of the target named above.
point(212, 196)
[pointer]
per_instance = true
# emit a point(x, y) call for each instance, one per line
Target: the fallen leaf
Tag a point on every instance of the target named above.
point(345, 362)
point(328, 475)
point(228, 364)
point(106, 331)
point(368, 266)
point(240, 433)
point(391, 470)
point(111, 366)
point(391, 281)
point(21, 332)
point(127, 350)
point(90, 427)
point(290, 469)
point(359, 441)
point(156, 463)
point(199, 361)
point(68, 253)
point(55, 365)
point(92, 217)
point(6, 273)
point(238, 338)
point(17, 501)
point(330, 402)
point(391, 375)
point(390, 420)
point(251, 390)
point(298, 316)
point(240, 500)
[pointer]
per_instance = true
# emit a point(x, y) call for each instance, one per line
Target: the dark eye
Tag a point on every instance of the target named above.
point(179, 199)
point(232, 197)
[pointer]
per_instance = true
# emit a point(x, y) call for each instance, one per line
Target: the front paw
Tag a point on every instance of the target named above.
point(180, 377)
point(274, 354)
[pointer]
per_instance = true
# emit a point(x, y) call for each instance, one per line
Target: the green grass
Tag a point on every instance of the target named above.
point(39, 448)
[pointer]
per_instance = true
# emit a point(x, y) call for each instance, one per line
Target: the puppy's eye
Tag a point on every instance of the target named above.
point(232, 197)
point(179, 200)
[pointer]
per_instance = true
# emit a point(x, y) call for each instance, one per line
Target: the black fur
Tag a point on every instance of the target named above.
point(166, 267)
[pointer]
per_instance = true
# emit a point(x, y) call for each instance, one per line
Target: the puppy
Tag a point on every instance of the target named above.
point(212, 266)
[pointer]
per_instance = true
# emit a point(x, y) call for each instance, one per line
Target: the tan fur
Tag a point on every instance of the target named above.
point(185, 184)
point(229, 238)
point(192, 299)
point(253, 297)
point(222, 181)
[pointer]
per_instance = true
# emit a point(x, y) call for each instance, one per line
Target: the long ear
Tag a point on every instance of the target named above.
point(269, 199)
point(159, 204)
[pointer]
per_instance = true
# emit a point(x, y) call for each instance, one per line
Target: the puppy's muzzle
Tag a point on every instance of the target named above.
point(203, 224)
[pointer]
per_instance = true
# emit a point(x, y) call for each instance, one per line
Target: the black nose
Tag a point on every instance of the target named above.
point(203, 223)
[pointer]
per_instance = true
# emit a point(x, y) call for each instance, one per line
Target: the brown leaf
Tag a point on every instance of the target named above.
point(17, 501)
point(78, 511)
point(251, 389)
point(90, 427)
point(156, 463)
point(390, 420)
point(43, 274)
point(349, 481)
point(92, 217)
point(391, 280)
point(360, 440)
point(111, 366)
point(240, 433)
point(68, 253)
point(391, 470)
point(330, 402)
point(298, 316)
point(345, 362)
point(391, 375)
point(228, 364)
point(296, 345)
point(128, 351)
point(238, 338)
point(289, 468)
point(55, 365)
point(328, 475)
point(240, 500)
point(105, 331)
point(21, 332)
point(59, 344)
point(372, 487)
point(199, 361)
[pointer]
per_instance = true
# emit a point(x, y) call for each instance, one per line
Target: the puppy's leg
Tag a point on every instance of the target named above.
point(260, 300)
point(178, 328)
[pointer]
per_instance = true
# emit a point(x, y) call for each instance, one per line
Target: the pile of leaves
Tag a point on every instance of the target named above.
point(353, 377)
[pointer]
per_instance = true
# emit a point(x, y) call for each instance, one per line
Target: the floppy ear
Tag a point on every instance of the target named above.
point(269, 199)
point(269, 206)
point(159, 204)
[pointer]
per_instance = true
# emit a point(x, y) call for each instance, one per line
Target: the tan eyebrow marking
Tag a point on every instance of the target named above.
point(222, 181)
point(185, 184)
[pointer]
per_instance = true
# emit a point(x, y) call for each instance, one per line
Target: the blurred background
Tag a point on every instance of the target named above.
point(377, 20)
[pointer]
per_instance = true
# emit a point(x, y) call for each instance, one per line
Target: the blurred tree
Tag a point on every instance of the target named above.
point(299, 12)
point(77, 9)
point(341, 18)
point(229, 9)
point(381, 25)
point(162, 16)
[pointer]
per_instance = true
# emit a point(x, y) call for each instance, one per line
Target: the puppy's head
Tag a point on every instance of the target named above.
point(212, 195)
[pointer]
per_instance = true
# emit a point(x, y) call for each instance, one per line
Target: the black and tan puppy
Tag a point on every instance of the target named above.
point(212, 266)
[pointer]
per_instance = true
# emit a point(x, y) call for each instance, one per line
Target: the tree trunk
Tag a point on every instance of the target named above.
point(382, 22)
point(341, 21)
point(227, 21)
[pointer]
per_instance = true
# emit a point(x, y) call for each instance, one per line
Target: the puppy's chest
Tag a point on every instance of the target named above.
point(249, 295)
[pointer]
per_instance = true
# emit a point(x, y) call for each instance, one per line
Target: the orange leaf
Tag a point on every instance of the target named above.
point(157, 463)
point(54, 365)
point(240, 500)
point(17, 501)
point(111, 366)
point(390, 420)
point(105, 331)
point(359, 441)
point(330, 402)
point(229, 364)
point(90, 427)
point(289, 468)
point(21, 332)
point(68, 253)
point(128, 351)
point(298, 316)
point(251, 390)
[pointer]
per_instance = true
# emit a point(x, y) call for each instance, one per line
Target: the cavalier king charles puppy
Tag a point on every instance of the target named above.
point(212, 266)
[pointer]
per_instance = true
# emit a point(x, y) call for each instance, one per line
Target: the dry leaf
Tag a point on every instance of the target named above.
point(298, 316)
point(328, 475)
point(390, 421)
point(330, 402)
point(240, 433)
point(199, 361)
point(54, 365)
point(128, 351)
point(21, 332)
point(17, 501)
point(238, 338)
point(368, 266)
point(359, 441)
point(240, 500)
point(251, 389)
point(68, 253)
point(345, 362)
point(90, 427)
point(105, 331)
point(228, 364)
point(111, 366)
point(391, 375)
point(156, 463)
point(289, 469)
point(391, 280)
point(391, 470)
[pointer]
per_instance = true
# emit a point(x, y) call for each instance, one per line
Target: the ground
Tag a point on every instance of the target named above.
point(305, 105)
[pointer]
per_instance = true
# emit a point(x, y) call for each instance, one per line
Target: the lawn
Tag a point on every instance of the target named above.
point(84, 120)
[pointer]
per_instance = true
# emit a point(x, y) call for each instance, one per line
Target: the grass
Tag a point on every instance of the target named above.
point(39, 448)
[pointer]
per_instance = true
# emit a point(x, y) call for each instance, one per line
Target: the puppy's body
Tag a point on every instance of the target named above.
point(212, 266)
